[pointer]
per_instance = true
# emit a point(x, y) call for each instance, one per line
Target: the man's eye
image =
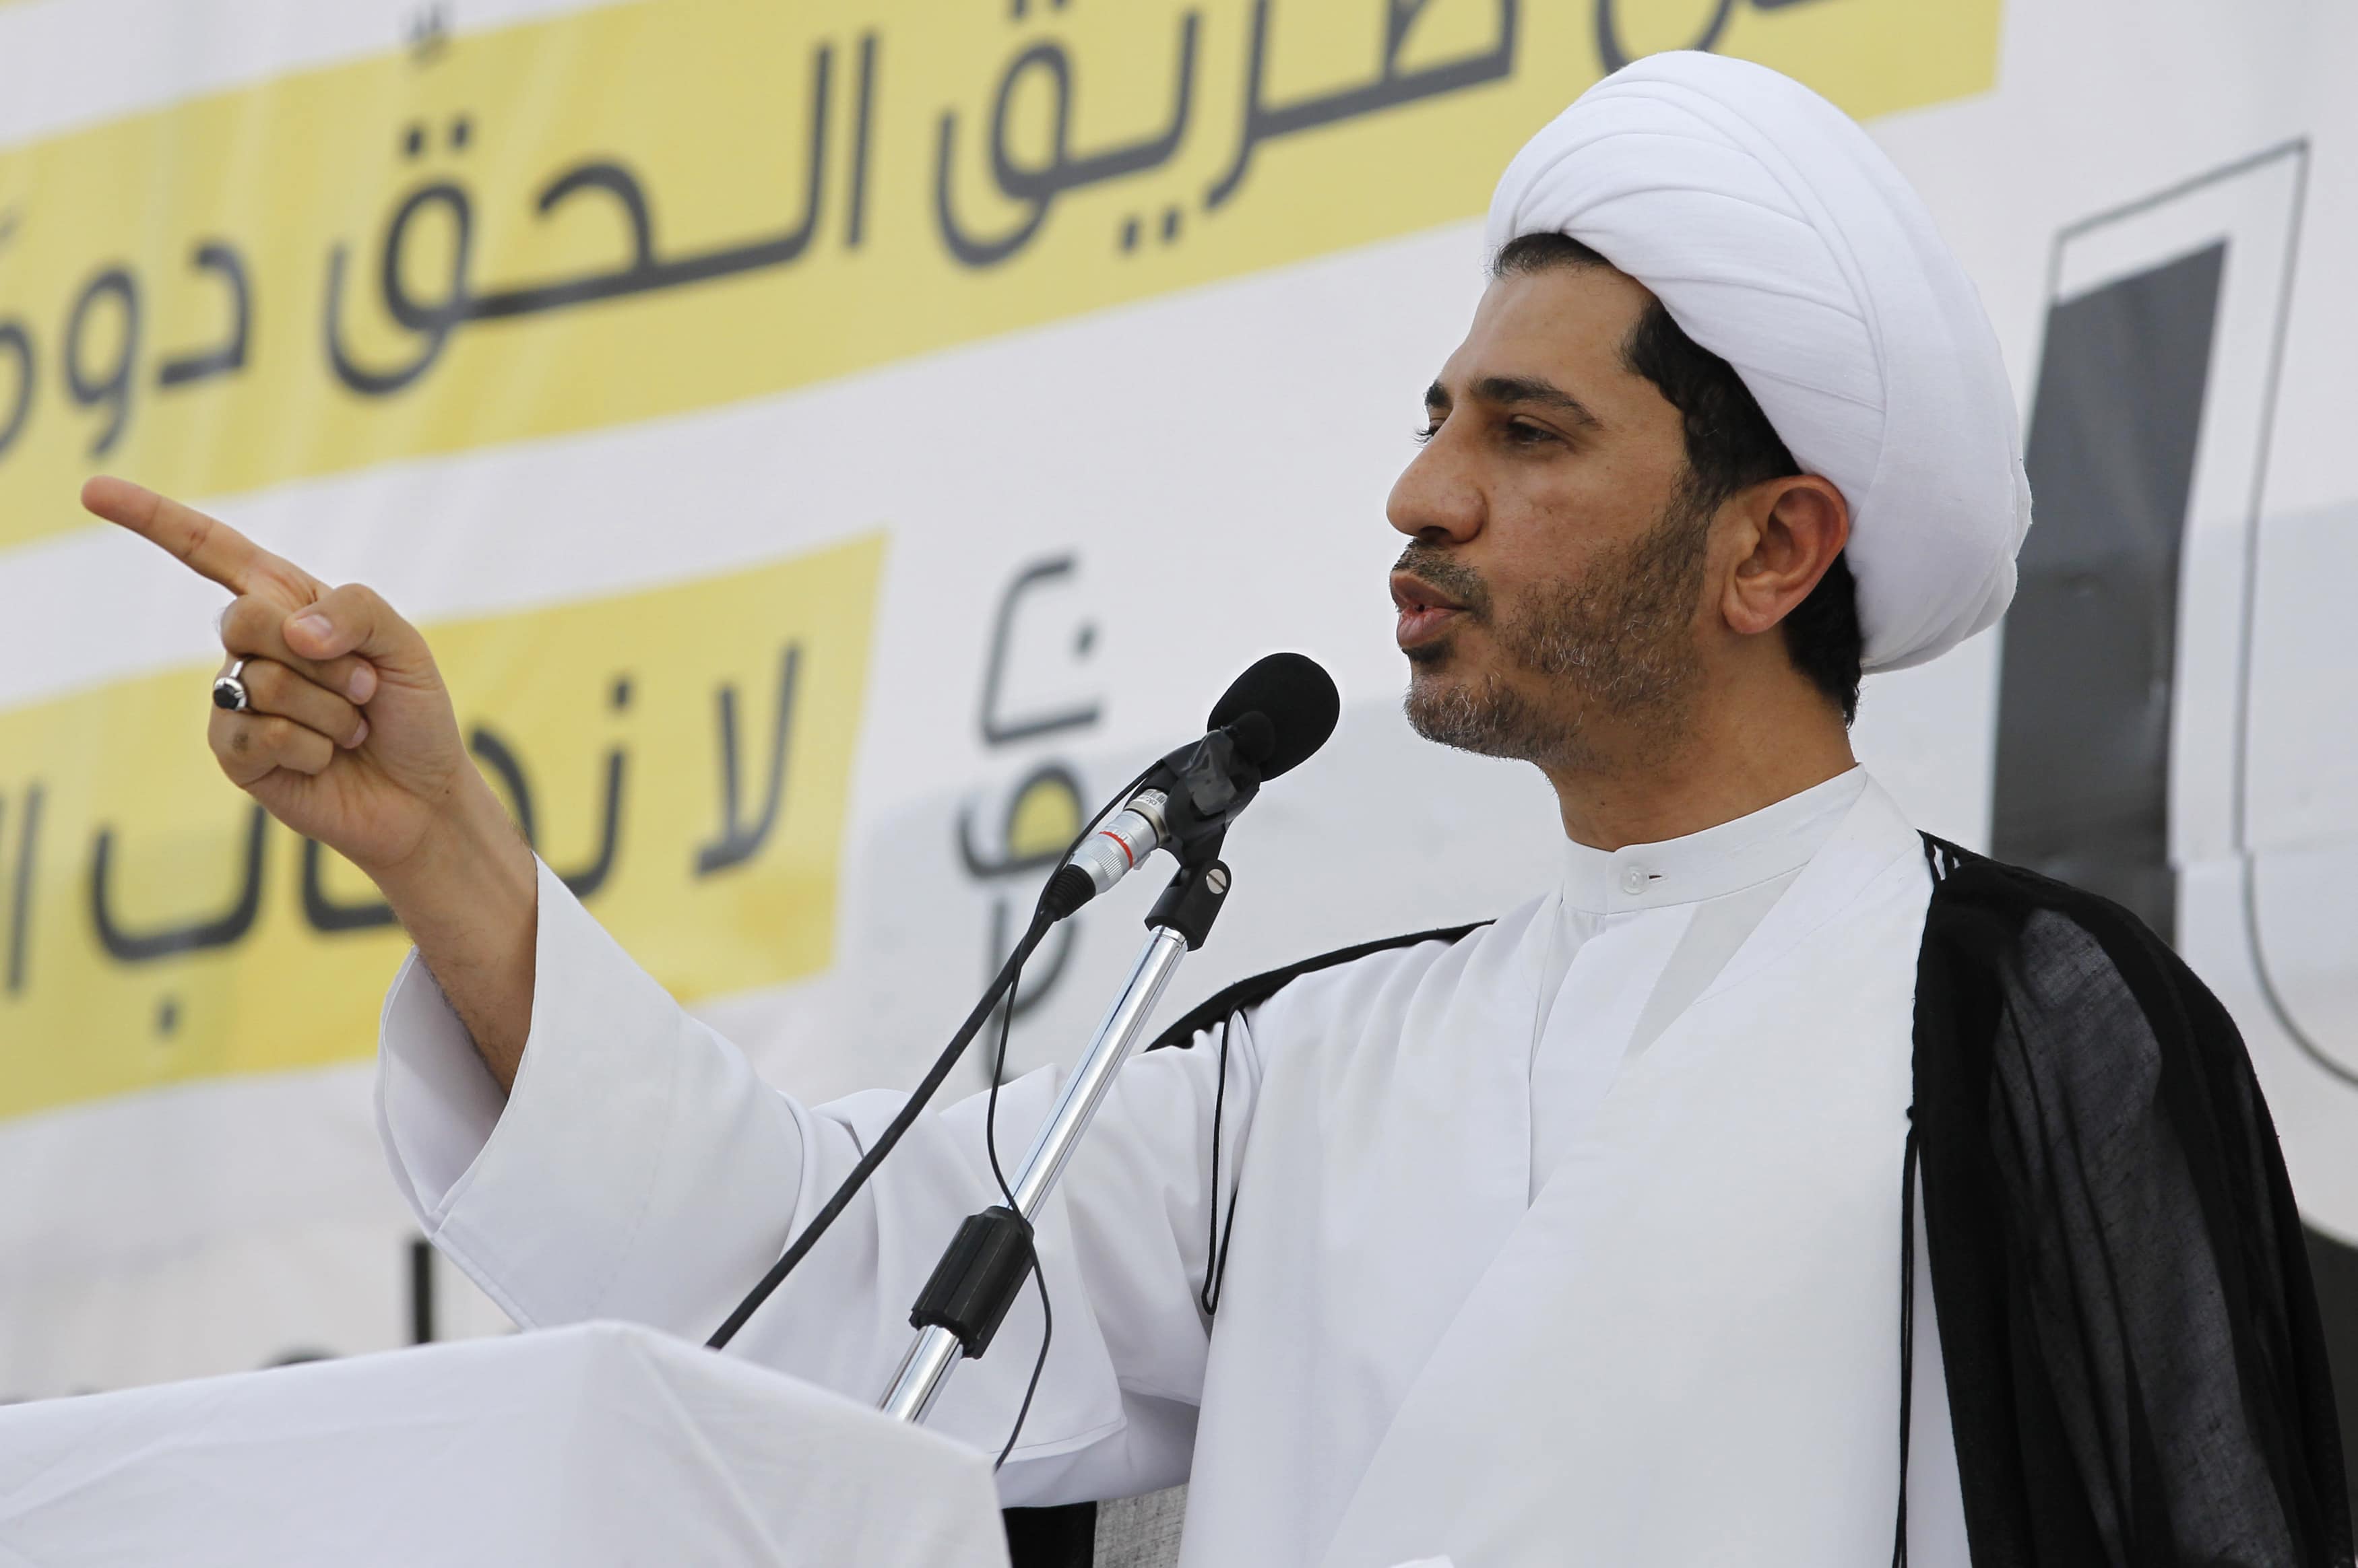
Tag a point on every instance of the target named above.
point(1523, 433)
point(1425, 432)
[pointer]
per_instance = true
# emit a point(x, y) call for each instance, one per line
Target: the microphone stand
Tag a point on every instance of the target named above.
point(986, 1264)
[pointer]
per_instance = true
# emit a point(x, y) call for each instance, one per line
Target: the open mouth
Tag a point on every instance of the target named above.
point(1425, 612)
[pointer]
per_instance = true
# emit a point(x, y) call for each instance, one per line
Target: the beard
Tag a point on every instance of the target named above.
point(1618, 642)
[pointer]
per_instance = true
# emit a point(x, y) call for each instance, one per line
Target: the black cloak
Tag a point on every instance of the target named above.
point(2135, 1369)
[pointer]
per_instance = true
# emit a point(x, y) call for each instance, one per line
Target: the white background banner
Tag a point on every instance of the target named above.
point(869, 563)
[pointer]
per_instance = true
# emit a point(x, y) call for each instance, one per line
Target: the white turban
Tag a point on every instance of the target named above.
point(1778, 236)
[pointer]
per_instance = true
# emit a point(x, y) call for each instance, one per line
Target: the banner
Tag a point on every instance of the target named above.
point(636, 210)
point(831, 446)
point(680, 755)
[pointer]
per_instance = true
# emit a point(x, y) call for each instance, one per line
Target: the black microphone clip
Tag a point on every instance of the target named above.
point(1208, 783)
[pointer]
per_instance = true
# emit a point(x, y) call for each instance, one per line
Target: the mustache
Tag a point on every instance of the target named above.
point(1438, 567)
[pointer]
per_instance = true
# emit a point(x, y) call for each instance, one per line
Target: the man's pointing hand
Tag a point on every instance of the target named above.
point(349, 738)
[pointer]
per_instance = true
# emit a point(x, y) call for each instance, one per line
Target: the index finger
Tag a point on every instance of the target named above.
point(209, 547)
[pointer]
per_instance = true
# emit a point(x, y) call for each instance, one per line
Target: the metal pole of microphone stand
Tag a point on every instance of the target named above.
point(936, 1350)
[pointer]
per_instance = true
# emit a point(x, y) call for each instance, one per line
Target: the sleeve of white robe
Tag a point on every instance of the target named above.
point(641, 1170)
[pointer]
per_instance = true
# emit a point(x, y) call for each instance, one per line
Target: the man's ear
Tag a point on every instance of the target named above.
point(1796, 526)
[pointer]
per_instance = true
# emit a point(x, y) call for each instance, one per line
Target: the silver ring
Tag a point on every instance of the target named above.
point(230, 692)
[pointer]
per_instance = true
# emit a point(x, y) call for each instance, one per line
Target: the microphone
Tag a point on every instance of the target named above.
point(1294, 697)
point(1270, 718)
point(1267, 722)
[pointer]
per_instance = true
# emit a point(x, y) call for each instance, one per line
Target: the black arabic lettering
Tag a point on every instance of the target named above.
point(617, 182)
point(739, 840)
point(1055, 785)
point(998, 729)
point(421, 1256)
point(216, 256)
point(436, 324)
point(1041, 812)
point(325, 914)
point(1038, 186)
point(855, 220)
point(584, 883)
point(1009, 860)
point(428, 33)
point(20, 893)
point(217, 931)
point(15, 341)
point(110, 388)
point(1389, 89)
point(1045, 809)
point(301, 1355)
point(114, 290)
point(501, 758)
point(494, 754)
point(1608, 35)
point(328, 914)
point(645, 272)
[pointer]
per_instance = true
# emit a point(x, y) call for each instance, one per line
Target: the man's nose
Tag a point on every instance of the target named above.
point(1436, 496)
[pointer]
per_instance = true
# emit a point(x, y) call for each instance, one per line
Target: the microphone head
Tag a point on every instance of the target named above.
point(1296, 703)
point(1255, 737)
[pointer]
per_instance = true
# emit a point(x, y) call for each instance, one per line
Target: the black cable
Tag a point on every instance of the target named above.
point(884, 1144)
point(990, 1147)
point(1003, 984)
point(1216, 1239)
point(1907, 1328)
point(1047, 1332)
point(990, 1106)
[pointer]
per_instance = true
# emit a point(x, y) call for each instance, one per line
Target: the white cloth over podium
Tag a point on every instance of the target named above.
point(598, 1445)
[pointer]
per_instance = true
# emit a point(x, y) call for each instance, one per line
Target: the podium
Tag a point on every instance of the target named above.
point(592, 1447)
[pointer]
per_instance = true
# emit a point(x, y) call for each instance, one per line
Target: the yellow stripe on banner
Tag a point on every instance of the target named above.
point(683, 757)
point(639, 209)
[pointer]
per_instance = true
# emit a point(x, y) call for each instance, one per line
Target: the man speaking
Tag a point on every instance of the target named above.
point(1781, 1188)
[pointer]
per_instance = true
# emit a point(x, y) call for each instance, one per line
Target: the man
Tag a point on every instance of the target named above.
point(1588, 1235)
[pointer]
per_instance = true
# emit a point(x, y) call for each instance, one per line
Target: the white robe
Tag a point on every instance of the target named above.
point(1574, 1241)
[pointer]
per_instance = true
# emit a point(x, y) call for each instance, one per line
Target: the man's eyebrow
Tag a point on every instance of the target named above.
point(1513, 389)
